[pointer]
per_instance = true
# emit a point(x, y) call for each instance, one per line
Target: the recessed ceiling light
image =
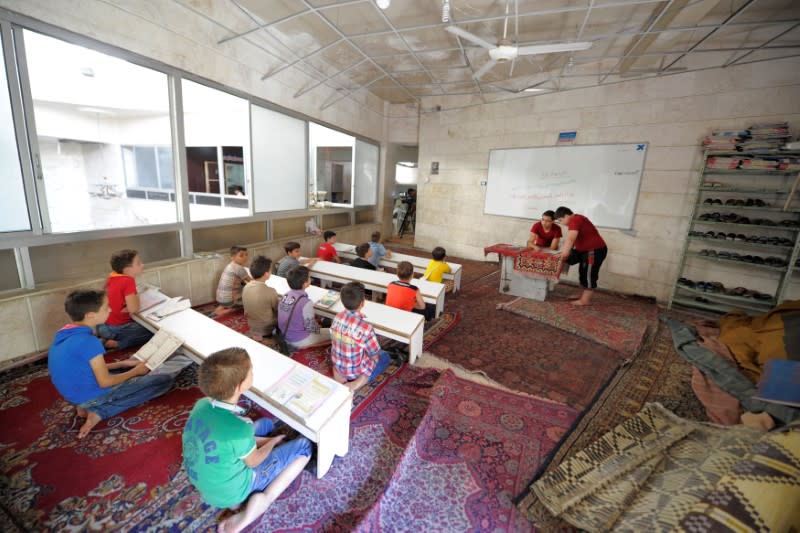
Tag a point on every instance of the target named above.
point(383, 4)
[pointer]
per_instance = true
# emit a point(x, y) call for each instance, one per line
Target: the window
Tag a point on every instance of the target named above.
point(217, 131)
point(98, 119)
point(366, 178)
point(279, 163)
point(331, 163)
point(13, 209)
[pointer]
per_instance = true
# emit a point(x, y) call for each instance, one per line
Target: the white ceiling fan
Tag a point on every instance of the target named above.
point(506, 51)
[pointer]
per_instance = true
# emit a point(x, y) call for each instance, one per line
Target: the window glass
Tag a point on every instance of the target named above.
point(366, 174)
point(331, 164)
point(279, 163)
point(13, 209)
point(217, 132)
point(97, 120)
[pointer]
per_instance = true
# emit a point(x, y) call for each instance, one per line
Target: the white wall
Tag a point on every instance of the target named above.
point(673, 114)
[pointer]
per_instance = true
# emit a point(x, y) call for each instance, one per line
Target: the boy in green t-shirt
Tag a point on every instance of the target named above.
point(228, 457)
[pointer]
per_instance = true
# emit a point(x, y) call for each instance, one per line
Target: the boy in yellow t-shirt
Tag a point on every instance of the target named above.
point(437, 266)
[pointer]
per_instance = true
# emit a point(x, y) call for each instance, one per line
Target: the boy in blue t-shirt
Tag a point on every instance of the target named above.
point(229, 458)
point(378, 250)
point(81, 375)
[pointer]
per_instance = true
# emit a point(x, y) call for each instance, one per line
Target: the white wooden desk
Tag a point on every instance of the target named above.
point(377, 281)
point(328, 426)
point(390, 322)
point(348, 251)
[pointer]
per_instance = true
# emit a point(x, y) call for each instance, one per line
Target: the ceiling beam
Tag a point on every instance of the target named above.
point(296, 61)
point(666, 15)
point(763, 46)
point(732, 16)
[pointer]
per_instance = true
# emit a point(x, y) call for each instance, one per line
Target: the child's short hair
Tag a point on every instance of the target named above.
point(405, 270)
point(83, 301)
point(376, 236)
point(562, 211)
point(260, 266)
point(223, 371)
point(438, 253)
point(237, 248)
point(297, 276)
point(352, 295)
point(328, 234)
point(291, 246)
point(122, 259)
point(549, 213)
point(362, 249)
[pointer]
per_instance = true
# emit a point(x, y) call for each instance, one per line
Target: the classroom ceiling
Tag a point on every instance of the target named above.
point(406, 51)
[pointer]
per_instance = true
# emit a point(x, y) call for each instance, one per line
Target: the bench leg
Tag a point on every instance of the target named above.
point(334, 438)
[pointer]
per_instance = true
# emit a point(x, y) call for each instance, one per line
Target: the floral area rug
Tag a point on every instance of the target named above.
point(521, 354)
point(621, 322)
point(432, 453)
point(659, 375)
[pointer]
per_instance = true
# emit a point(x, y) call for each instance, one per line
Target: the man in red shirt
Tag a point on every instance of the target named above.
point(545, 234)
point(326, 250)
point(583, 245)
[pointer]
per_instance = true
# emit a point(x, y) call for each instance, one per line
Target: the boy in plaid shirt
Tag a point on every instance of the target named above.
point(356, 355)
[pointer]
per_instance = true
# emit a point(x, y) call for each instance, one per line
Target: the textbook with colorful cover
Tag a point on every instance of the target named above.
point(158, 349)
point(302, 391)
point(329, 298)
point(780, 382)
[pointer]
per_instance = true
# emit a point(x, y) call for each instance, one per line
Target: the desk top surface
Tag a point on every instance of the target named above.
point(204, 336)
point(429, 289)
point(396, 257)
point(381, 317)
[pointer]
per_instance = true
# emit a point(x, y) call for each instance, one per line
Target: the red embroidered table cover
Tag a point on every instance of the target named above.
point(539, 264)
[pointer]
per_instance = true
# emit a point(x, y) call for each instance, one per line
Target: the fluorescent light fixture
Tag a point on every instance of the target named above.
point(383, 4)
point(535, 90)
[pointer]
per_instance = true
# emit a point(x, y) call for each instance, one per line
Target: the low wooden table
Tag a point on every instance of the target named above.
point(527, 273)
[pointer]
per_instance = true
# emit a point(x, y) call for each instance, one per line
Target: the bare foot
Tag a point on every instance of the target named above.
point(92, 419)
point(110, 344)
point(257, 338)
point(81, 411)
point(221, 311)
point(579, 303)
point(761, 421)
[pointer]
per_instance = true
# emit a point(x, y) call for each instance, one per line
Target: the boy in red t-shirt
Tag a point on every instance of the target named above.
point(119, 330)
point(545, 234)
point(403, 295)
point(583, 245)
point(326, 251)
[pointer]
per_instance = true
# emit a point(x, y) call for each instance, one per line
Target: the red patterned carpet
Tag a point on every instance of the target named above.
point(621, 322)
point(521, 354)
point(460, 451)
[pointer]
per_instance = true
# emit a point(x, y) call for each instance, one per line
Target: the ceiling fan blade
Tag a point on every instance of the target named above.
point(551, 48)
point(464, 34)
point(484, 69)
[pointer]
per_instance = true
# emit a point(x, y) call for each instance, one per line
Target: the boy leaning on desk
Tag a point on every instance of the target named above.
point(230, 459)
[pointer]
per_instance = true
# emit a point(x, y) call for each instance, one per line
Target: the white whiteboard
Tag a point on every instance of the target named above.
point(600, 181)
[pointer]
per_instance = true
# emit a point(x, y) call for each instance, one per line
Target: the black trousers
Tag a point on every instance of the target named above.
point(590, 262)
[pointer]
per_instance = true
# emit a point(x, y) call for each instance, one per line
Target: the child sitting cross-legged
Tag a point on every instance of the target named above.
point(229, 289)
point(296, 317)
point(120, 330)
point(260, 301)
point(437, 266)
point(403, 295)
point(364, 253)
point(228, 458)
point(355, 353)
point(80, 373)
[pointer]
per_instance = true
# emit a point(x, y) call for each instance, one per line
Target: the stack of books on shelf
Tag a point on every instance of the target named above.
point(757, 138)
point(722, 141)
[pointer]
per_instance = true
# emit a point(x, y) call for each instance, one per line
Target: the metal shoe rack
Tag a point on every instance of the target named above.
point(775, 188)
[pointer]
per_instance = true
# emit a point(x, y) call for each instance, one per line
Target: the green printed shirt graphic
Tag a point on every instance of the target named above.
point(215, 443)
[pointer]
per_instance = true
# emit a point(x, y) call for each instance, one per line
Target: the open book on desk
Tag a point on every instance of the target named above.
point(158, 349)
point(302, 391)
point(149, 298)
point(168, 307)
point(329, 298)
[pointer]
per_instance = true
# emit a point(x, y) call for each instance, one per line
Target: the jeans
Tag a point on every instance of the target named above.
point(383, 361)
point(129, 394)
point(723, 374)
point(127, 335)
point(279, 458)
